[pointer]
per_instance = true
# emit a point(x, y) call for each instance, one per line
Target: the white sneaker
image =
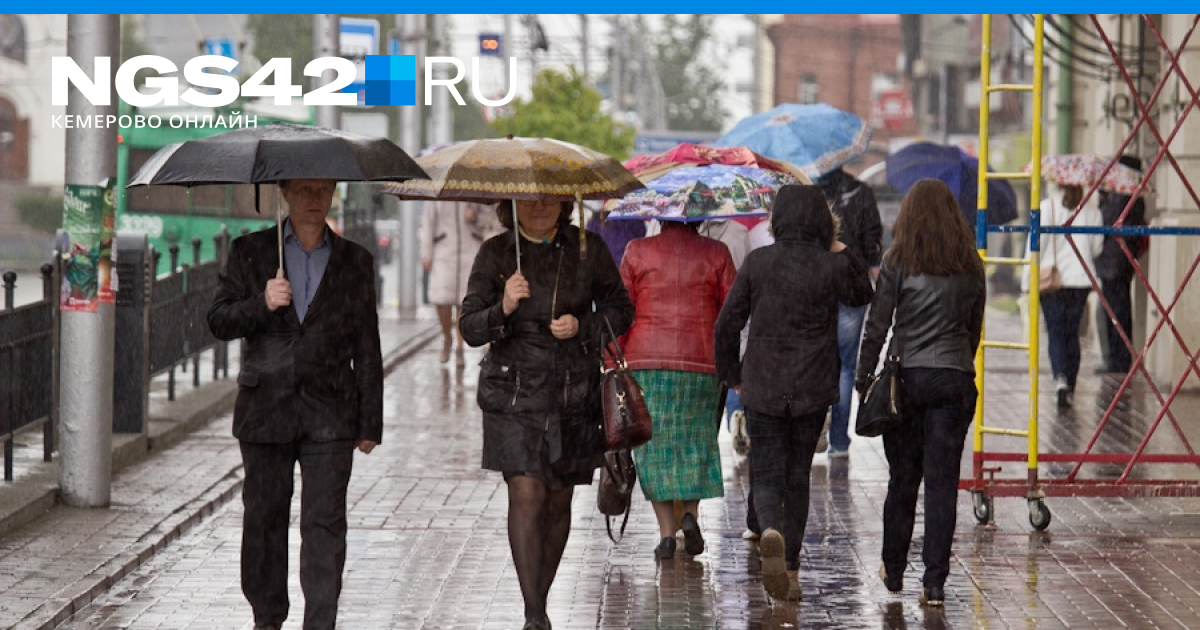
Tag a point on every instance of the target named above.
point(749, 534)
point(1062, 391)
point(741, 441)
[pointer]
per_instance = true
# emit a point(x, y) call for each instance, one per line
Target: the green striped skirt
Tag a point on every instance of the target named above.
point(683, 460)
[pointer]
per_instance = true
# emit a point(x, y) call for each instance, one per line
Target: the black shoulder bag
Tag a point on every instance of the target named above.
point(879, 410)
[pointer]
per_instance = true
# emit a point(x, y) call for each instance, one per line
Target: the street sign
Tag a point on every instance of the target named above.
point(490, 45)
point(359, 37)
point(220, 46)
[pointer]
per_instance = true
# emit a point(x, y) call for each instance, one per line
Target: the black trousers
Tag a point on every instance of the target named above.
point(781, 454)
point(267, 497)
point(1064, 311)
point(1116, 293)
point(939, 405)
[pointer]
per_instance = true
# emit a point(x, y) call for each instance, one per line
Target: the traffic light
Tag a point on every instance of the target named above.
point(490, 45)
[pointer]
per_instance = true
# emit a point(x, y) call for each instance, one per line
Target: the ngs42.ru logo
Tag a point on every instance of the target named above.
point(394, 82)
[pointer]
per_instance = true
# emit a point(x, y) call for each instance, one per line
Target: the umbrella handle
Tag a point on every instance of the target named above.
point(582, 229)
point(279, 226)
point(516, 234)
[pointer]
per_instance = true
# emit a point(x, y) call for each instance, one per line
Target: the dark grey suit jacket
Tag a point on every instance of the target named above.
point(321, 379)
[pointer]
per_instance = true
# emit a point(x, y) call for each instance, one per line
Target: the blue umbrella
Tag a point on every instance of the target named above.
point(816, 138)
point(959, 171)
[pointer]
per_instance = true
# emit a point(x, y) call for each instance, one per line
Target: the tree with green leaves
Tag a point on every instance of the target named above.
point(565, 107)
point(693, 88)
point(133, 46)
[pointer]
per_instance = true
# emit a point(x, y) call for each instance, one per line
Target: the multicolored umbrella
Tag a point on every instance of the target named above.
point(701, 193)
point(654, 165)
point(959, 171)
point(816, 138)
point(1079, 169)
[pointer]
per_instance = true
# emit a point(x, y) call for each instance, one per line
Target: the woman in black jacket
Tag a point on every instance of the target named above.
point(788, 377)
point(539, 382)
point(937, 325)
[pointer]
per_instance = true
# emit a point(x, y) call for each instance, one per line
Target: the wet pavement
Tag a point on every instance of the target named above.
point(428, 547)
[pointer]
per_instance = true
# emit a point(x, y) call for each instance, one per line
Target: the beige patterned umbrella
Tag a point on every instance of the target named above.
point(517, 168)
point(541, 169)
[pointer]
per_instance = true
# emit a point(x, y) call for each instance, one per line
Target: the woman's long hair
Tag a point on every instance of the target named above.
point(930, 236)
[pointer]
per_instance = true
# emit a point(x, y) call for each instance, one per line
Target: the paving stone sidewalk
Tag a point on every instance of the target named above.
point(65, 557)
point(428, 547)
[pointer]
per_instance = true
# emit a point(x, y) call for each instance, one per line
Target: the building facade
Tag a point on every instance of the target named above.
point(852, 62)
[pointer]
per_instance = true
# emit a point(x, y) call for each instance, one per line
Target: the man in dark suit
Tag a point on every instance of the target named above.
point(310, 390)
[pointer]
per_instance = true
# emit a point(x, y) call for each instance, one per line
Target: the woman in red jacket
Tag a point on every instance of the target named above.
point(677, 281)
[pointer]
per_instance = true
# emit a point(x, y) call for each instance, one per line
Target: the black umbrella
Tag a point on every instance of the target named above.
point(276, 152)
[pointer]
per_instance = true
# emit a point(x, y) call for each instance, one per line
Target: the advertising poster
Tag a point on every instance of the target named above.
point(88, 229)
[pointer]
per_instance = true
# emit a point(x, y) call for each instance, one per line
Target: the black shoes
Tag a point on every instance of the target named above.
point(932, 596)
point(893, 584)
point(533, 623)
point(693, 541)
point(665, 549)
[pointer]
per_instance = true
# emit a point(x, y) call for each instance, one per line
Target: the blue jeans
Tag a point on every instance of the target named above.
point(939, 405)
point(732, 403)
point(849, 334)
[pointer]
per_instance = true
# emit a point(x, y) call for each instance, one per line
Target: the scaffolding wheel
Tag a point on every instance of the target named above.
point(1039, 514)
point(983, 506)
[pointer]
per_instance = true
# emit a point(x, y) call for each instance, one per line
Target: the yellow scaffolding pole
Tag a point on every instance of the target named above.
point(1035, 197)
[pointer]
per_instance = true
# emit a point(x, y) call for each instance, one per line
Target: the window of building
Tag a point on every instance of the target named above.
point(12, 37)
point(14, 143)
point(809, 91)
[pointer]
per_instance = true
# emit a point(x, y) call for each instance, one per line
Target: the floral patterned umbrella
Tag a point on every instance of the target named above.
point(1079, 169)
point(701, 193)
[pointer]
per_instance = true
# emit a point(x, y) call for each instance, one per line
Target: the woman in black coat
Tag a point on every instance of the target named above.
point(788, 378)
point(539, 384)
point(938, 321)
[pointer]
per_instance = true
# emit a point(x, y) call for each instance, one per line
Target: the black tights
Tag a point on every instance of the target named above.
point(539, 521)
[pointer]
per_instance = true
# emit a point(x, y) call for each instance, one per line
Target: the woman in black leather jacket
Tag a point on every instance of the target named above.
point(539, 382)
point(937, 326)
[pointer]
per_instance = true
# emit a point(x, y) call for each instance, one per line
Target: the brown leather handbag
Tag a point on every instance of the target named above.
point(613, 498)
point(626, 420)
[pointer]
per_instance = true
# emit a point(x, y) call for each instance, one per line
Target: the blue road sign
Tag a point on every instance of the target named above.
point(359, 38)
point(221, 46)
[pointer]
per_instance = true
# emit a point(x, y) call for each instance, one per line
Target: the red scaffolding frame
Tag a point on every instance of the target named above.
point(1035, 488)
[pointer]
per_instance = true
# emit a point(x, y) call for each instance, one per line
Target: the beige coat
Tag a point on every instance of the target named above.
point(450, 236)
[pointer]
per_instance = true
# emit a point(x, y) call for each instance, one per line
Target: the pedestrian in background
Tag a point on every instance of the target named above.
point(788, 377)
point(539, 382)
point(1063, 308)
point(1116, 273)
point(853, 203)
point(310, 390)
point(451, 233)
point(677, 281)
point(936, 326)
point(616, 234)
